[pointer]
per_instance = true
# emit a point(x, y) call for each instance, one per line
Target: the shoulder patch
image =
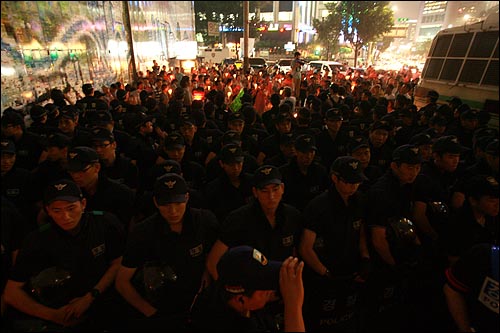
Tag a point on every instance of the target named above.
point(97, 212)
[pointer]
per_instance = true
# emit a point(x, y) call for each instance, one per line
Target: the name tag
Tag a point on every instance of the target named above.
point(12, 192)
point(356, 225)
point(99, 250)
point(489, 294)
point(196, 251)
point(287, 241)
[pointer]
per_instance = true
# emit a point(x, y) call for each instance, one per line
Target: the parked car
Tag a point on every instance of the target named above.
point(332, 66)
point(257, 64)
point(284, 65)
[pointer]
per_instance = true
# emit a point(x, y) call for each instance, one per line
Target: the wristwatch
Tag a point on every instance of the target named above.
point(95, 293)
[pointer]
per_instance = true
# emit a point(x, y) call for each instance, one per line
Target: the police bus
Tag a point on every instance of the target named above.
point(463, 62)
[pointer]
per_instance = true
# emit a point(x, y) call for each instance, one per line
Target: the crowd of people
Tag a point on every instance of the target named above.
point(258, 201)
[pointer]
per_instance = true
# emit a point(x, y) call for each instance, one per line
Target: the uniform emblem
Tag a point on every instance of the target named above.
point(307, 140)
point(354, 165)
point(232, 150)
point(170, 184)
point(414, 150)
point(259, 257)
point(266, 171)
point(59, 187)
point(168, 168)
point(5, 143)
point(196, 251)
point(72, 155)
point(356, 225)
point(98, 250)
point(287, 241)
point(454, 140)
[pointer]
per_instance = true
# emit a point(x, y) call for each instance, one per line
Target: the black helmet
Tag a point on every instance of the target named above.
point(154, 281)
point(401, 235)
point(52, 287)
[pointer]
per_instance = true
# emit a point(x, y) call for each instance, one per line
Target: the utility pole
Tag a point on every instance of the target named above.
point(130, 40)
point(246, 33)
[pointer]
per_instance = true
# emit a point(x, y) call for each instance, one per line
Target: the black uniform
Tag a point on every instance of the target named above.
point(153, 243)
point(467, 232)
point(300, 188)
point(112, 197)
point(249, 226)
point(222, 197)
point(122, 171)
point(86, 256)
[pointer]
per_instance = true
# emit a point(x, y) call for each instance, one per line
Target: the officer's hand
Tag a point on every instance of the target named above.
point(291, 286)
point(59, 316)
point(77, 306)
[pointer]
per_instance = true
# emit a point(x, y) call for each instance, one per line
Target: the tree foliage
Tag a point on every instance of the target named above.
point(226, 13)
point(329, 29)
point(359, 22)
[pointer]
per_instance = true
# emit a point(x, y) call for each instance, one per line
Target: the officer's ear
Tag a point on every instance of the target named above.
point(394, 166)
point(84, 203)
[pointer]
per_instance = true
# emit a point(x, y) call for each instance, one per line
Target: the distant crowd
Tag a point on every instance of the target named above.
point(118, 209)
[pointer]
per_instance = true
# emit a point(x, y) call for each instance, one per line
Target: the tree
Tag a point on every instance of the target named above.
point(329, 30)
point(228, 14)
point(363, 21)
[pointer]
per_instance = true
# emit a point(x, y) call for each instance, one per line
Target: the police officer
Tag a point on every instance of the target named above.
point(487, 164)
point(68, 124)
point(331, 142)
point(174, 148)
point(236, 122)
point(248, 281)
point(334, 243)
point(233, 187)
point(270, 145)
point(17, 182)
point(104, 119)
point(29, 146)
point(90, 103)
point(100, 192)
point(143, 147)
point(115, 166)
point(303, 177)
point(213, 167)
point(387, 202)
point(359, 148)
point(175, 241)
point(435, 184)
point(54, 167)
point(86, 246)
point(197, 148)
point(287, 151)
point(380, 146)
point(266, 223)
point(477, 220)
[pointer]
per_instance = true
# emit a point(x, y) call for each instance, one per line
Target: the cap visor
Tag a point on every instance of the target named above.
point(234, 160)
point(76, 166)
point(68, 198)
point(171, 199)
point(269, 277)
point(267, 182)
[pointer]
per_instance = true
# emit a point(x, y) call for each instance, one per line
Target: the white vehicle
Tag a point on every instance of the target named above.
point(284, 65)
point(331, 66)
point(463, 62)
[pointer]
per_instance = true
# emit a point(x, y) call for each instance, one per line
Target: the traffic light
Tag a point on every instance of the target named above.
point(282, 29)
